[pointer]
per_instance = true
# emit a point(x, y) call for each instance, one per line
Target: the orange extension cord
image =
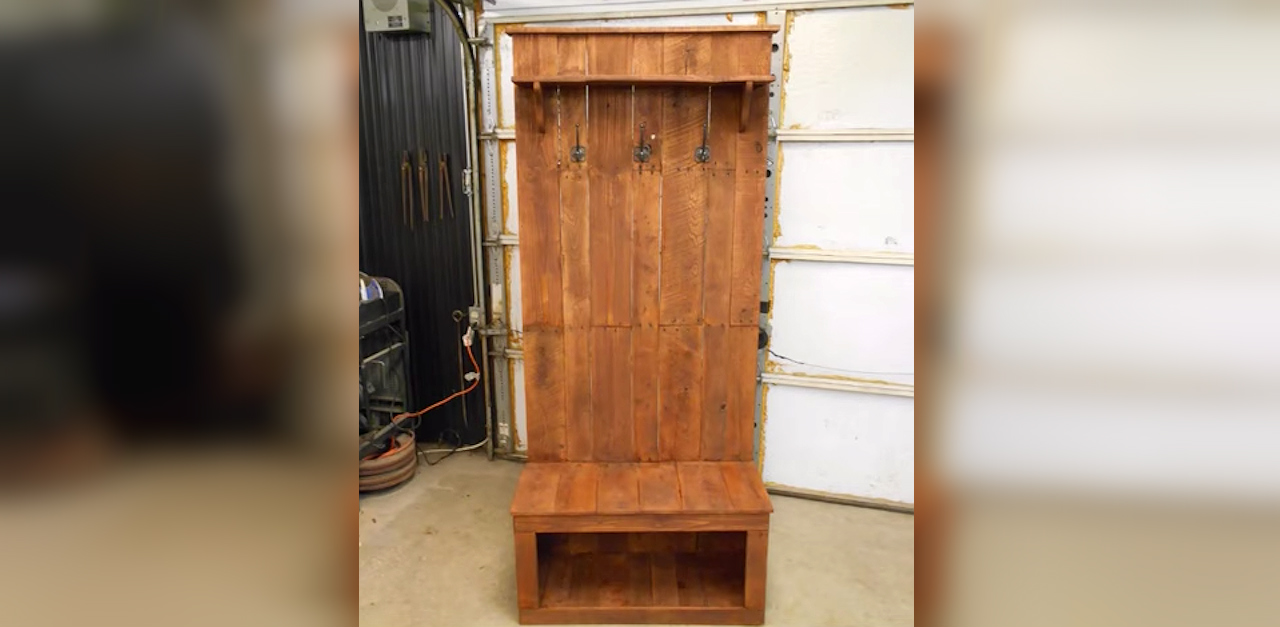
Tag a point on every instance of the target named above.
point(401, 417)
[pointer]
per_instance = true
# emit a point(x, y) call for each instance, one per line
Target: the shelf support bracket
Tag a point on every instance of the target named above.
point(538, 117)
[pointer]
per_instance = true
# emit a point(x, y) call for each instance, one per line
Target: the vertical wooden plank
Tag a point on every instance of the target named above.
point(684, 188)
point(640, 590)
point(574, 196)
point(646, 204)
point(646, 185)
point(659, 488)
point(644, 392)
point(557, 587)
point(578, 437)
point(666, 590)
point(740, 366)
point(750, 188)
point(720, 173)
point(538, 192)
point(621, 448)
point(679, 392)
point(614, 579)
point(611, 394)
point(526, 569)
point(757, 568)
point(609, 153)
point(544, 393)
point(689, 580)
point(586, 582)
point(619, 490)
point(575, 250)
point(577, 491)
point(715, 392)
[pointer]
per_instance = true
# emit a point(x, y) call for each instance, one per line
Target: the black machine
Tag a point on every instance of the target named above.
point(384, 359)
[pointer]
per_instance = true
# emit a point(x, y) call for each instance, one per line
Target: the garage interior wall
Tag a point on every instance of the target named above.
point(836, 409)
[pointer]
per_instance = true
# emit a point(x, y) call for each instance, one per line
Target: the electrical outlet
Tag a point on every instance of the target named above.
point(475, 316)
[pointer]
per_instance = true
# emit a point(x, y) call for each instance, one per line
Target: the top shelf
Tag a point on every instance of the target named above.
point(756, 80)
point(632, 30)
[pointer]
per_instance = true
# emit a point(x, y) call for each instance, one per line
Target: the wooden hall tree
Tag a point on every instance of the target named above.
point(641, 156)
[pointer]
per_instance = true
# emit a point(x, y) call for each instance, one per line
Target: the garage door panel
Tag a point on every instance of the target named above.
point(848, 196)
point(855, 320)
point(851, 69)
point(842, 443)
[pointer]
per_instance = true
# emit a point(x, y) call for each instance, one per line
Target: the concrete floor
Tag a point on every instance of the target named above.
point(438, 551)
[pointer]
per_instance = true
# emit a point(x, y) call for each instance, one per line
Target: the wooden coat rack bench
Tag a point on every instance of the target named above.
point(642, 173)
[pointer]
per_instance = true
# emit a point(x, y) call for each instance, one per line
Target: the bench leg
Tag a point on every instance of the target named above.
point(526, 570)
point(757, 565)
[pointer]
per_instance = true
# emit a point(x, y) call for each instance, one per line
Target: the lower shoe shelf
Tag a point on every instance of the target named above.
point(691, 577)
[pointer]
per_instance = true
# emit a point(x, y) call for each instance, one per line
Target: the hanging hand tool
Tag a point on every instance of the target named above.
point(422, 186)
point(446, 189)
point(406, 189)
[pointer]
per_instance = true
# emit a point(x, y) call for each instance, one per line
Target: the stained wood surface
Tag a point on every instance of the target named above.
point(644, 580)
point(640, 488)
point(626, 80)
point(641, 279)
point(554, 30)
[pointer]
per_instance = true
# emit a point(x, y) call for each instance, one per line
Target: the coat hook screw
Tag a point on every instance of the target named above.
point(579, 153)
point(641, 153)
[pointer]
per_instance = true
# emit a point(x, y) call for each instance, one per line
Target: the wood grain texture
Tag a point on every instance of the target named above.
point(720, 177)
point(679, 392)
point(702, 488)
point(659, 488)
point(740, 364)
point(640, 488)
point(646, 185)
point(749, 190)
point(575, 219)
point(544, 393)
point(526, 569)
point(745, 488)
point(576, 493)
point(642, 615)
point(715, 394)
point(582, 523)
point(579, 426)
point(539, 196)
point(644, 392)
point(536, 489)
point(554, 30)
point(749, 81)
point(611, 399)
point(619, 490)
point(756, 568)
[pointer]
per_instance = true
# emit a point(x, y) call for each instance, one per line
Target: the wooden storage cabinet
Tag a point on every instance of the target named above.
point(641, 156)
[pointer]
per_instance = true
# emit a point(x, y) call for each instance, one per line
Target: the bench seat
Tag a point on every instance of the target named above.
point(642, 542)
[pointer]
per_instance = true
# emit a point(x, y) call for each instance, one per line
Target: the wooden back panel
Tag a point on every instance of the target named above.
point(640, 281)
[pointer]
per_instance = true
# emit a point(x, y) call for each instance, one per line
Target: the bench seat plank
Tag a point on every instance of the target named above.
point(632, 489)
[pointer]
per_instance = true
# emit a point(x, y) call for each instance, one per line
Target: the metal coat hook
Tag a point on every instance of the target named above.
point(579, 152)
point(641, 153)
point(702, 154)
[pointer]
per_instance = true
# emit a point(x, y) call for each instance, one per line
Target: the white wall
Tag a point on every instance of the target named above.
point(853, 323)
